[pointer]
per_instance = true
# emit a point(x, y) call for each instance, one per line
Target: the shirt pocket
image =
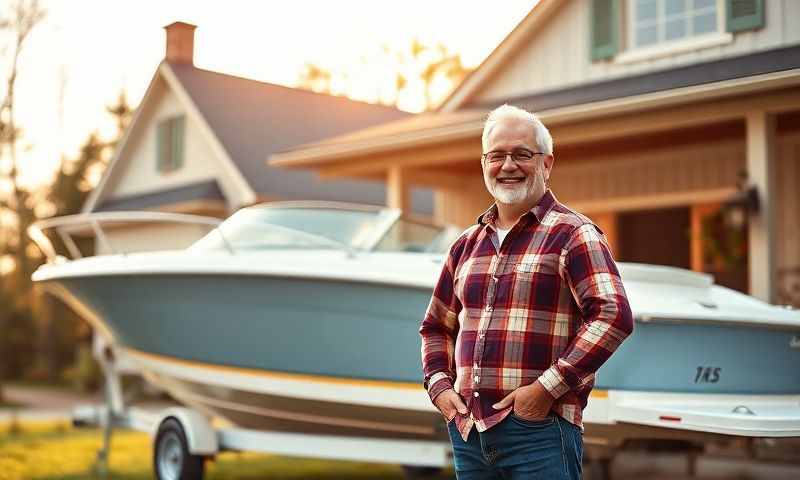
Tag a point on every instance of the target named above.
point(532, 264)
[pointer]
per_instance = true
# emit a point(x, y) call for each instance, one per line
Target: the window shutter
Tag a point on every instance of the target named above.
point(605, 28)
point(178, 129)
point(163, 145)
point(744, 15)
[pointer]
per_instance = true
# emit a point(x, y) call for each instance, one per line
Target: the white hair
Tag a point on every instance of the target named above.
point(540, 133)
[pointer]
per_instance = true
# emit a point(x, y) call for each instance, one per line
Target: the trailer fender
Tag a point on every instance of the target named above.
point(200, 435)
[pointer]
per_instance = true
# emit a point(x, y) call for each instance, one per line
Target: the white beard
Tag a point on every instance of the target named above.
point(517, 194)
point(511, 195)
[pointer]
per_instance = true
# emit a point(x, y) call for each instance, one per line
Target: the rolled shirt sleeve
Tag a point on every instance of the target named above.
point(587, 265)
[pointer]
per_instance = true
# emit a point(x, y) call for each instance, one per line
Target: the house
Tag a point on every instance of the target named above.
point(676, 128)
point(198, 139)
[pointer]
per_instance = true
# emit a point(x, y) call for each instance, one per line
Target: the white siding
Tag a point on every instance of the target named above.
point(557, 56)
point(145, 238)
point(138, 173)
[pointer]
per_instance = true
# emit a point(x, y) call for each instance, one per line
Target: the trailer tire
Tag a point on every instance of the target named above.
point(171, 457)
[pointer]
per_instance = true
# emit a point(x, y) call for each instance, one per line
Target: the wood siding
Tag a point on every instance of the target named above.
point(558, 56)
point(676, 176)
point(788, 218)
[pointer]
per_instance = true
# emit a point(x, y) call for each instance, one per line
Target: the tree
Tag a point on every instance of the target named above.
point(122, 113)
point(313, 77)
point(61, 331)
point(75, 177)
point(445, 64)
point(415, 71)
point(23, 17)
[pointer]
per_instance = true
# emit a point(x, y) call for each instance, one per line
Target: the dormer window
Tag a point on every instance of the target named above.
point(170, 137)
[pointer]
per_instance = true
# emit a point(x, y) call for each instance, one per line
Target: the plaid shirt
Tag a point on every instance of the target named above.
point(548, 305)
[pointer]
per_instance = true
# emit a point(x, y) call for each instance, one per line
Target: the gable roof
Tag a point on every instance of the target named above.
point(254, 119)
point(247, 120)
point(164, 78)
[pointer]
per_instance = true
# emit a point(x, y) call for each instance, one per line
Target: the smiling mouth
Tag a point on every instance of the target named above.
point(510, 180)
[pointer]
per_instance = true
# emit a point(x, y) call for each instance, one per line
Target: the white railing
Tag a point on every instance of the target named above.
point(68, 225)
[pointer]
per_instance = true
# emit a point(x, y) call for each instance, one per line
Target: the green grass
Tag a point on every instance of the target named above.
point(50, 451)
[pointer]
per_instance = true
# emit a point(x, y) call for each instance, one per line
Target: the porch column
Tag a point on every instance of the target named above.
point(761, 227)
point(698, 213)
point(397, 190)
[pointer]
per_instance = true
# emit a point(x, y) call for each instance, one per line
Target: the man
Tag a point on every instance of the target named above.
point(528, 306)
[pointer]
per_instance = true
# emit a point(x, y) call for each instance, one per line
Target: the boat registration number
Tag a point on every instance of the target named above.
point(707, 374)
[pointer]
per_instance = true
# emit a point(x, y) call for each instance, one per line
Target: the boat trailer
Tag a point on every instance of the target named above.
point(184, 438)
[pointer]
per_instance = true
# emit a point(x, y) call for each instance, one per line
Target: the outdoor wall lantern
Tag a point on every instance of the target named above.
point(741, 204)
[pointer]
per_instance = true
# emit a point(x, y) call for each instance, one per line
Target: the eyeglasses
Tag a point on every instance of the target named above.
point(519, 156)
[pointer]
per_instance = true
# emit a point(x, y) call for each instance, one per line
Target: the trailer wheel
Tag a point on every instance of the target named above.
point(171, 457)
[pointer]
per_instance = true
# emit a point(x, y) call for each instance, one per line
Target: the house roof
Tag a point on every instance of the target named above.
point(504, 51)
point(730, 68)
point(765, 69)
point(208, 190)
point(430, 123)
point(250, 120)
point(254, 119)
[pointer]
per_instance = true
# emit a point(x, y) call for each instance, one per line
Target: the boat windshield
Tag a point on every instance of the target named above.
point(275, 227)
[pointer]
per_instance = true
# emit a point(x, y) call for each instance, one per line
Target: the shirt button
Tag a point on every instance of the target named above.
point(481, 335)
point(489, 308)
point(477, 379)
point(476, 394)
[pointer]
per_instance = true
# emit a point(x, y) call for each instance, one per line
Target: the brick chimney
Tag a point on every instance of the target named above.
point(180, 43)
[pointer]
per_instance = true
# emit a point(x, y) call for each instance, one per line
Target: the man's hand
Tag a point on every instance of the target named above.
point(531, 402)
point(449, 404)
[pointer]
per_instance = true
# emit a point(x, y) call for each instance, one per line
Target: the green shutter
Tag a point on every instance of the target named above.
point(741, 15)
point(163, 145)
point(604, 25)
point(178, 129)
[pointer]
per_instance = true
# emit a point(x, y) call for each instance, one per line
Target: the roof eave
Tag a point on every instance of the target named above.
point(313, 155)
point(515, 40)
point(324, 155)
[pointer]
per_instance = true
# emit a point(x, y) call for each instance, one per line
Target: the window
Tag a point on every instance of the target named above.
point(633, 30)
point(169, 143)
point(660, 21)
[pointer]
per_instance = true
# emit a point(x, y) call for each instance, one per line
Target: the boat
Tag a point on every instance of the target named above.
point(303, 317)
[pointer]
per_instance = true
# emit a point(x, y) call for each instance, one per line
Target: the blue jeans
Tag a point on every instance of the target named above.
point(516, 448)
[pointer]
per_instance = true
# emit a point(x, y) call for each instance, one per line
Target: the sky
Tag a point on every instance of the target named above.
point(85, 51)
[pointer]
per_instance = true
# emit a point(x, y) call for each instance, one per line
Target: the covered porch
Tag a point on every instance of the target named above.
point(653, 171)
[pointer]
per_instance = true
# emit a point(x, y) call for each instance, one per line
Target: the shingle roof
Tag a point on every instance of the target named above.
point(196, 191)
point(254, 119)
point(701, 73)
point(411, 132)
point(429, 121)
